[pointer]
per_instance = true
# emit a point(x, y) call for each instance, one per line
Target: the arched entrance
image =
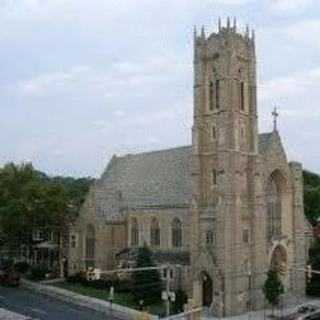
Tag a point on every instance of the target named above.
point(279, 261)
point(207, 289)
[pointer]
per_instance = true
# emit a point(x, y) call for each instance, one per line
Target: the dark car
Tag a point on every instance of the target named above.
point(8, 275)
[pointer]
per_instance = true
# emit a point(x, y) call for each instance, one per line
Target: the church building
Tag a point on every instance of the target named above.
point(222, 211)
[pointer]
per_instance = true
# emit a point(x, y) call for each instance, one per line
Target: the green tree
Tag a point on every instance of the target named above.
point(273, 288)
point(22, 206)
point(147, 284)
point(311, 196)
point(313, 284)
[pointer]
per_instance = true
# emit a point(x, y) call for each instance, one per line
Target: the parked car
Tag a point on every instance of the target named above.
point(8, 275)
point(307, 308)
point(304, 312)
point(310, 316)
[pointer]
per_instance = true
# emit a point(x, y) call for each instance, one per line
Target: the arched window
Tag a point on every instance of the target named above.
point(242, 96)
point(214, 177)
point(90, 245)
point(217, 94)
point(209, 237)
point(213, 133)
point(273, 209)
point(155, 233)
point(134, 232)
point(176, 233)
point(211, 102)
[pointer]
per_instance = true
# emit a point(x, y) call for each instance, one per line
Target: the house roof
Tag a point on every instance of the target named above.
point(150, 179)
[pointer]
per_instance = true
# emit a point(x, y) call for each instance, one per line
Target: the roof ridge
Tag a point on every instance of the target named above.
point(153, 151)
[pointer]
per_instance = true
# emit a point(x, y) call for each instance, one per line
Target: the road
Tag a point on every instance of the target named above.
point(41, 307)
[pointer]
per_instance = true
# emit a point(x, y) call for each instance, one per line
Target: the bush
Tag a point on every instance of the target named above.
point(38, 272)
point(79, 277)
point(147, 284)
point(22, 267)
point(124, 286)
point(181, 300)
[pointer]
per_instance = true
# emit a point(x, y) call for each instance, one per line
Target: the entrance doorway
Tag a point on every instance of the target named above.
point(207, 293)
point(279, 261)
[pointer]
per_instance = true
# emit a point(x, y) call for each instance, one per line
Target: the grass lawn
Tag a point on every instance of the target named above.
point(122, 298)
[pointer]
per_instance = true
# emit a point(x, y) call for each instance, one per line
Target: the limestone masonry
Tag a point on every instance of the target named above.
point(222, 211)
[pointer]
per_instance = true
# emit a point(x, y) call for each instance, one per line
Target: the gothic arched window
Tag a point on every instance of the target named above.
point(242, 96)
point(217, 94)
point(214, 177)
point(155, 233)
point(211, 95)
point(90, 245)
point(213, 132)
point(134, 232)
point(209, 237)
point(273, 209)
point(176, 233)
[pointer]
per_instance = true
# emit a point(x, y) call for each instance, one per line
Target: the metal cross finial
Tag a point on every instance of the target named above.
point(275, 115)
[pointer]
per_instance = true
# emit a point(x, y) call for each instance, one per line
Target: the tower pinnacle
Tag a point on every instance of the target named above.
point(275, 115)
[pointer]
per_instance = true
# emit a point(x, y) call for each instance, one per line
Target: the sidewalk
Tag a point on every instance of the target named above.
point(118, 311)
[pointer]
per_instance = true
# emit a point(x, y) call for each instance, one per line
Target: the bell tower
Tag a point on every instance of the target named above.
point(224, 140)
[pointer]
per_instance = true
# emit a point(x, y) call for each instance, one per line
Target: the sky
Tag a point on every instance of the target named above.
point(82, 80)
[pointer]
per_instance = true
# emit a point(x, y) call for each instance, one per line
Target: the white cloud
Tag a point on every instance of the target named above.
point(296, 86)
point(106, 82)
point(305, 33)
point(232, 2)
point(289, 6)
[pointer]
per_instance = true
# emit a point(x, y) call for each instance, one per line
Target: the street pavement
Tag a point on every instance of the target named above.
point(41, 307)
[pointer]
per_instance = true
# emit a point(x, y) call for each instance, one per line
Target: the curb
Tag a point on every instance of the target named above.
point(85, 301)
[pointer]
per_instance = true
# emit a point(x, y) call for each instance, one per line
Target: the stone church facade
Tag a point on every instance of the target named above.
point(222, 211)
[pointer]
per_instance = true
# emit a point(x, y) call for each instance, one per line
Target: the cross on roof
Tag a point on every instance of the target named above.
point(275, 115)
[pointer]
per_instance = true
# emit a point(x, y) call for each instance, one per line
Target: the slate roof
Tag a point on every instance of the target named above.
point(151, 179)
point(265, 139)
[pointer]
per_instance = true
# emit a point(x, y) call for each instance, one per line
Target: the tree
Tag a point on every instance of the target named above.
point(147, 285)
point(311, 196)
point(30, 200)
point(313, 284)
point(273, 288)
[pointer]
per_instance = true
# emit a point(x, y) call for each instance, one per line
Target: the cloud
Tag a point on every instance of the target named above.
point(298, 85)
point(233, 2)
point(296, 96)
point(126, 74)
point(305, 33)
point(98, 77)
point(289, 6)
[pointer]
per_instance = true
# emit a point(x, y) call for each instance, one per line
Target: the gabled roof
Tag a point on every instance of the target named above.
point(150, 180)
point(265, 140)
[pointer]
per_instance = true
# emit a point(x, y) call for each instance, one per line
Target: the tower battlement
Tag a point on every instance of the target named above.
point(228, 35)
